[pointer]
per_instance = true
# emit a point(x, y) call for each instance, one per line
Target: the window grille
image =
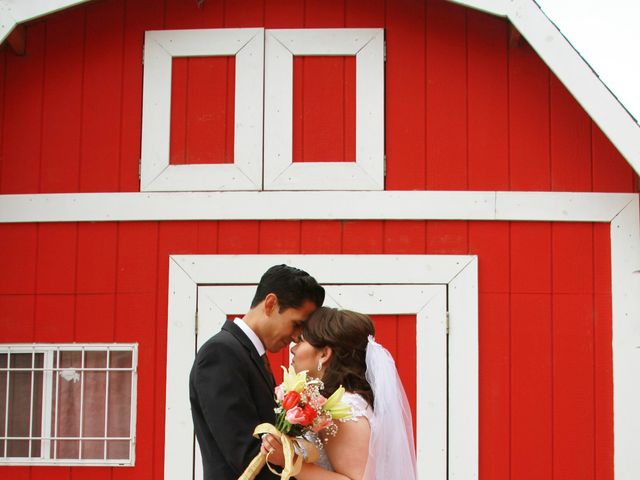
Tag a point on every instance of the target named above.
point(68, 404)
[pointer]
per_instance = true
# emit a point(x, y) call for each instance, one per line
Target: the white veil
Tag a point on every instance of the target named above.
point(391, 447)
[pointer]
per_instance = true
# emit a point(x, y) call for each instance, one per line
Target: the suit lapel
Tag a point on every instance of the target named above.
point(239, 335)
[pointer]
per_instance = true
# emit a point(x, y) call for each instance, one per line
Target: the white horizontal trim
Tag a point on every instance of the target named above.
point(389, 299)
point(342, 205)
point(326, 269)
point(560, 207)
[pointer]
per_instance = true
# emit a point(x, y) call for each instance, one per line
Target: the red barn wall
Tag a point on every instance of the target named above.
point(467, 108)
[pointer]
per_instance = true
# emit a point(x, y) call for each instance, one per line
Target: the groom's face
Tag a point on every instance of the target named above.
point(285, 326)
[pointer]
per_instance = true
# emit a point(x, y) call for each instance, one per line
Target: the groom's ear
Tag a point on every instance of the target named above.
point(270, 303)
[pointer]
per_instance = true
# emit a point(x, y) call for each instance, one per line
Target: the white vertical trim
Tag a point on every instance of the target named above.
point(463, 374)
point(181, 329)
point(156, 173)
point(134, 403)
point(431, 358)
point(625, 291)
point(280, 172)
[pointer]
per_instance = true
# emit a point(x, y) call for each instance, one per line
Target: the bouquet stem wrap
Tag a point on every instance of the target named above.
point(292, 463)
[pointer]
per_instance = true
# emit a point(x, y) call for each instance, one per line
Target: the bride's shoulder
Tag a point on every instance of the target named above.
point(359, 406)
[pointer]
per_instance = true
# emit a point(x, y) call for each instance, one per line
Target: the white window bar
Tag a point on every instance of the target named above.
point(106, 403)
point(56, 414)
point(134, 401)
point(33, 365)
point(81, 402)
point(6, 404)
point(47, 399)
point(48, 356)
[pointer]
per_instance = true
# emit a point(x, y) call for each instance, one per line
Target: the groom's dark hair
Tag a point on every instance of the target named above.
point(291, 285)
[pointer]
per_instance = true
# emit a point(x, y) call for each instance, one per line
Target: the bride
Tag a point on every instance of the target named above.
point(376, 442)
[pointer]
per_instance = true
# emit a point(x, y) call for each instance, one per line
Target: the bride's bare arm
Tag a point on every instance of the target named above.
point(347, 452)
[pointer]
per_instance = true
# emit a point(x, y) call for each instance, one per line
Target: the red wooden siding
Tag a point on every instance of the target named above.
point(467, 105)
point(202, 120)
point(545, 321)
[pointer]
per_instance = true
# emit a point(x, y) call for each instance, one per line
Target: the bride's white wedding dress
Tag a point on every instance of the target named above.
point(359, 408)
point(391, 447)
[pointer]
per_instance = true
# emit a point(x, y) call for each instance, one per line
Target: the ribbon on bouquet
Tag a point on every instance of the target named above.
point(292, 462)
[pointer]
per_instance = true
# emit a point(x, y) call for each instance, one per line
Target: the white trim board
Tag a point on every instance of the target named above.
point(427, 302)
point(343, 205)
point(374, 283)
point(554, 49)
point(367, 172)
point(160, 47)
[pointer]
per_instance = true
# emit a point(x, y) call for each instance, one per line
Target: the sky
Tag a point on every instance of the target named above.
point(607, 35)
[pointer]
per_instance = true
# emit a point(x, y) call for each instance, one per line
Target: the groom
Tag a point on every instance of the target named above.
point(231, 387)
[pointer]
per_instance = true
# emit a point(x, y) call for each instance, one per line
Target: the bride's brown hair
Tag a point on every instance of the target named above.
point(347, 334)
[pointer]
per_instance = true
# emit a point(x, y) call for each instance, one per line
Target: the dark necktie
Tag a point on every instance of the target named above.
point(267, 366)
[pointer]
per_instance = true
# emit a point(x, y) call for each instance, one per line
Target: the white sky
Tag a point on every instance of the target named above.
point(607, 35)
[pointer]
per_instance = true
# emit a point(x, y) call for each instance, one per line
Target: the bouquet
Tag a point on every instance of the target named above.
point(302, 411)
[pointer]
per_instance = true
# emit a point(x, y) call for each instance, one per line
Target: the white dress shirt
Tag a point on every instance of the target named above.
point(251, 334)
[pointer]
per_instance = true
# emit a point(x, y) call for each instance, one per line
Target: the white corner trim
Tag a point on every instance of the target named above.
point(378, 286)
point(463, 388)
point(280, 172)
point(13, 12)
point(392, 205)
point(625, 290)
point(156, 173)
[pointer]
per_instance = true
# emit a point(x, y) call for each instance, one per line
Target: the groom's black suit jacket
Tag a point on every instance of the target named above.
point(230, 392)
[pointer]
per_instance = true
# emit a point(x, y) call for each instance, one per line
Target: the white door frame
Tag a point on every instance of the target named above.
point(393, 280)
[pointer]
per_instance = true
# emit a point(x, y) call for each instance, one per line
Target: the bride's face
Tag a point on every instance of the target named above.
point(306, 357)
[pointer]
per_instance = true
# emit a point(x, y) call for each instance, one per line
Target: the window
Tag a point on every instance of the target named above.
point(68, 404)
point(263, 110)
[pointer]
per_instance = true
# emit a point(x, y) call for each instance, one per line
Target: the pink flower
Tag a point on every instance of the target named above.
point(279, 393)
point(320, 401)
point(296, 416)
point(322, 423)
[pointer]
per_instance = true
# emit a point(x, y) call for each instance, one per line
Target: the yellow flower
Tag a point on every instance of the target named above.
point(335, 407)
point(294, 382)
